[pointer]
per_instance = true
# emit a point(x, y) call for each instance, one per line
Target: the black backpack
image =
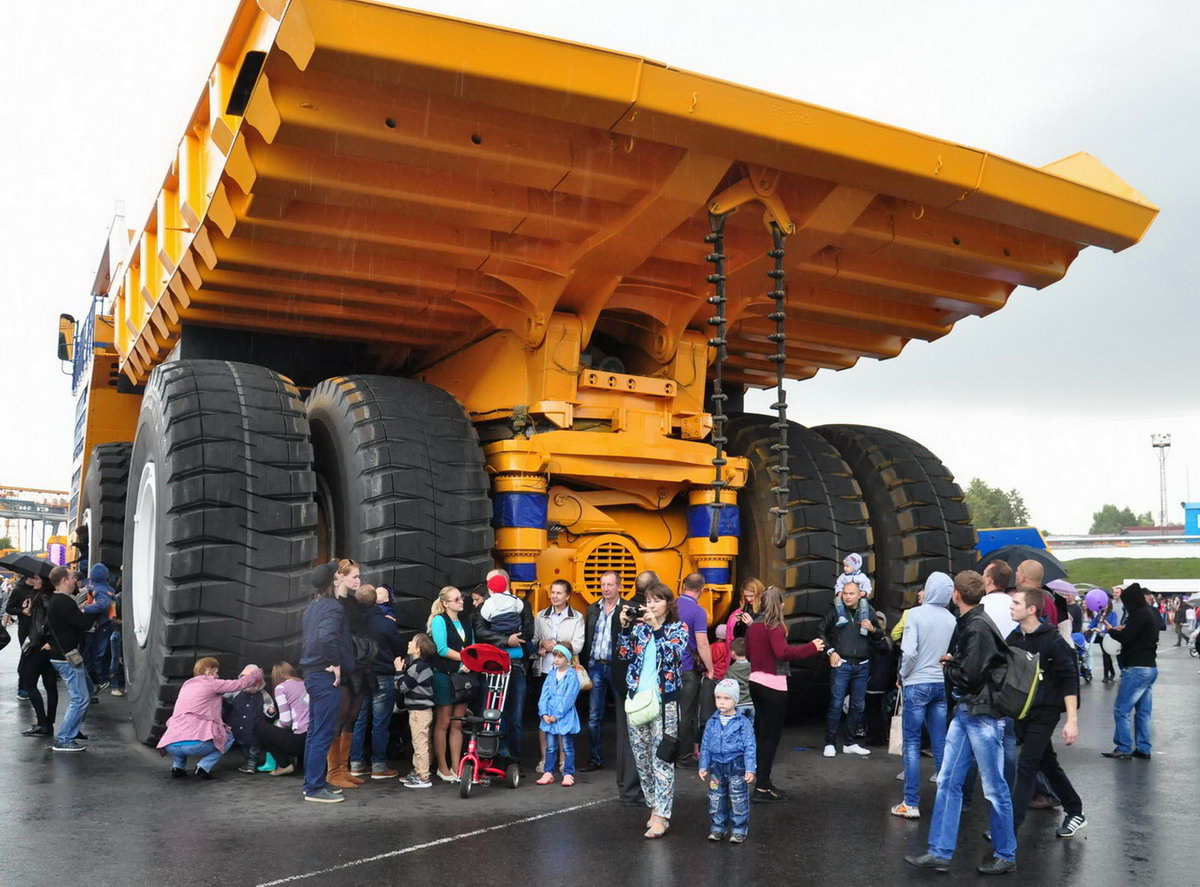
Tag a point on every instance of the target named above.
point(1015, 688)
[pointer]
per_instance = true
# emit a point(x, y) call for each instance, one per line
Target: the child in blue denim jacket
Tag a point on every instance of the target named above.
point(728, 761)
point(559, 719)
point(852, 572)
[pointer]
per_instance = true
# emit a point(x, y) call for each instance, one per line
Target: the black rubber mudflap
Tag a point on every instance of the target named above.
point(403, 486)
point(235, 528)
point(920, 521)
point(826, 520)
point(103, 501)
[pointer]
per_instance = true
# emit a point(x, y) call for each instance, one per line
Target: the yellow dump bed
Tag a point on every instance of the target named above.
point(413, 182)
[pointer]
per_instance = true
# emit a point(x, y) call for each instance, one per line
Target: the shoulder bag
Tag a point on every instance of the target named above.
point(642, 707)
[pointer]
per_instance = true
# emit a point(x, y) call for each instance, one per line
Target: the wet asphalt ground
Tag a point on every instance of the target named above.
point(112, 816)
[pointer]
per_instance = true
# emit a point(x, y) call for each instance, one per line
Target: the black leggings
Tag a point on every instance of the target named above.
point(34, 665)
point(770, 706)
point(284, 745)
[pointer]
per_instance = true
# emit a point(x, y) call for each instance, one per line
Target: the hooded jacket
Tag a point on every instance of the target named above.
point(100, 595)
point(1139, 637)
point(927, 632)
point(1060, 674)
point(976, 655)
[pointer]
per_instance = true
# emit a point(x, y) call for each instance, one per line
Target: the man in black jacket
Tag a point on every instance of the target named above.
point(1139, 670)
point(976, 733)
point(848, 644)
point(18, 607)
point(1058, 692)
point(66, 626)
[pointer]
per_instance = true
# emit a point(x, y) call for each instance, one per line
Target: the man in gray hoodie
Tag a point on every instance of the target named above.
point(927, 632)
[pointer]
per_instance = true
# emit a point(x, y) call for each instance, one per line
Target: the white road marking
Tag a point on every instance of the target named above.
point(393, 853)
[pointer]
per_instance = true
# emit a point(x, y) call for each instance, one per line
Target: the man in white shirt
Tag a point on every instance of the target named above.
point(997, 577)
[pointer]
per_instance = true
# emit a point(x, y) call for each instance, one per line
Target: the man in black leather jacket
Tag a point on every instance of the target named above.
point(976, 733)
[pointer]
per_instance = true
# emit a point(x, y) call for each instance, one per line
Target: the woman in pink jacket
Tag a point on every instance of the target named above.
point(195, 727)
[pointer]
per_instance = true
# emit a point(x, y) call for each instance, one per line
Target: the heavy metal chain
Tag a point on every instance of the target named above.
point(716, 240)
point(781, 470)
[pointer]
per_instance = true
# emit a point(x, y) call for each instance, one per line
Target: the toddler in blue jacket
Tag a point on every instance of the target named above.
point(728, 761)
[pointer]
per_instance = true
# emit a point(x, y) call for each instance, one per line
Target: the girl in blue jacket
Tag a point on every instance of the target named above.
point(559, 719)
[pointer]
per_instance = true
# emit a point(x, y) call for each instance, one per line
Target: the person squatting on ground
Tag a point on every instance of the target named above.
point(728, 763)
point(415, 685)
point(328, 653)
point(1139, 670)
point(559, 719)
point(195, 727)
point(284, 740)
point(1058, 692)
point(976, 733)
point(848, 643)
point(769, 653)
point(927, 632)
point(654, 647)
point(247, 710)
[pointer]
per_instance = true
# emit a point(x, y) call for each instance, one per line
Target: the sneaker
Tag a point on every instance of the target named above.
point(855, 749)
point(324, 796)
point(1071, 824)
point(413, 780)
point(69, 745)
point(735, 838)
point(359, 768)
point(715, 836)
point(906, 811)
point(100, 688)
point(933, 777)
point(546, 779)
point(385, 773)
point(900, 776)
point(830, 751)
point(178, 773)
point(117, 691)
point(248, 767)
point(206, 774)
point(23, 695)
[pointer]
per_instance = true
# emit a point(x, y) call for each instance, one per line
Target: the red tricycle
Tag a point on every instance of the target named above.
point(479, 763)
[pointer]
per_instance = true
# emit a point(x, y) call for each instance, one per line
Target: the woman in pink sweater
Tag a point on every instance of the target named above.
point(195, 727)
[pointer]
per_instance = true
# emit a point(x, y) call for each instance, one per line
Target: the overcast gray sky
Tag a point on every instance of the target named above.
point(1056, 394)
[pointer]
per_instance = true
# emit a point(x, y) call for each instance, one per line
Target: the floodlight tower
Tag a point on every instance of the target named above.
point(1162, 443)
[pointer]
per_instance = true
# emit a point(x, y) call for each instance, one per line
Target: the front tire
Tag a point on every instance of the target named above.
point(219, 532)
point(467, 781)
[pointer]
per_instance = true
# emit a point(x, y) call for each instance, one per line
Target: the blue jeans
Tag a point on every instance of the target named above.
point(601, 676)
point(77, 686)
point(116, 674)
point(924, 705)
point(377, 708)
point(323, 702)
point(1010, 765)
point(729, 797)
point(981, 739)
point(852, 678)
point(207, 750)
point(514, 708)
point(1135, 702)
point(553, 741)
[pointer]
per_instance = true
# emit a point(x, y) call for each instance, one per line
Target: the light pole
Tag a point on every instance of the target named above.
point(1162, 443)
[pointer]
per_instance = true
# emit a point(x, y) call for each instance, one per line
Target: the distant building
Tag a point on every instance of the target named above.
point(1172, 530)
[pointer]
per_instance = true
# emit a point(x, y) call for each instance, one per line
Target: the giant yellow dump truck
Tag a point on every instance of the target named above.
point(437, 295)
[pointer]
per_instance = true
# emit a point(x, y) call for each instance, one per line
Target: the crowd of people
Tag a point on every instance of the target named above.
point(684, 694)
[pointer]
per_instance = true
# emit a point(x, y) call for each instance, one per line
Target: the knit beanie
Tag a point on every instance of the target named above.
point(321, 577)
point(854, 561)
point(728, 687)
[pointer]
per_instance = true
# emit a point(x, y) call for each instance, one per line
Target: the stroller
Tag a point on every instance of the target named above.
point(478, 765)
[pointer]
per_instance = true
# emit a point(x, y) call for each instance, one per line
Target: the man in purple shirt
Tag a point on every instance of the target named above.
point(696, 663)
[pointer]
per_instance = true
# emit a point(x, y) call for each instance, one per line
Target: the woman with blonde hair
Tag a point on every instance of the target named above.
point(450, 633)
point(769, 654)
point(739, 620)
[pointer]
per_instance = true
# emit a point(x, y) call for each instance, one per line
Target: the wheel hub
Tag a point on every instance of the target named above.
point(142, 571)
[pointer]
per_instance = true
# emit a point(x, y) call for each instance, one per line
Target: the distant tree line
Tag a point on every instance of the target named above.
point(1110, 520)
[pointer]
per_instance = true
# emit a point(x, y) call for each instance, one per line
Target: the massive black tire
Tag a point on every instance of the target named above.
point(826, 519)
point(102, 504)
point(402, 487)
point(920, 520)
point(220, 529)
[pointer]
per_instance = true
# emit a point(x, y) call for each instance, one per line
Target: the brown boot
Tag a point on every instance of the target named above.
point(337, 773)
point(347, 741)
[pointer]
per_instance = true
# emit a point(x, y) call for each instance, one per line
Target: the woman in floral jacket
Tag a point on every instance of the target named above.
point(659, 634)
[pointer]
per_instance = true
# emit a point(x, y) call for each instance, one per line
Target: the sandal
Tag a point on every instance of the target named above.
point(568, 781)
point(657, 829)
point(546, 779)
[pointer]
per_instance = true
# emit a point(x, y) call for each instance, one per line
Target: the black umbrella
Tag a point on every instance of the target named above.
point(27, 565)
point(1014, 554)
